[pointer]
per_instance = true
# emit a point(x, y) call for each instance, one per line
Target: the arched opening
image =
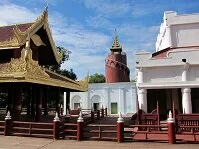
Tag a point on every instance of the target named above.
point(76, 102)
point(96, 102)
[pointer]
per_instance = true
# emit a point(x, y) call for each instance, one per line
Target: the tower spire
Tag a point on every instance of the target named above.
point(116, 47)
point(115, 33)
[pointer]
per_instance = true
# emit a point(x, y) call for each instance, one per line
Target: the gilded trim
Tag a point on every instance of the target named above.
point(23, 66)
point(25, 69)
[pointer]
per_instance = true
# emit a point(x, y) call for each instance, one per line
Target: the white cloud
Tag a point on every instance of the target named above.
point(11, 14)
point(108, 7)
point(99, 21)
point(80, 38)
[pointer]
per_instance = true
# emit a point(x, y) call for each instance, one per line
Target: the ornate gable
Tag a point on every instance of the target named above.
point(16, 36)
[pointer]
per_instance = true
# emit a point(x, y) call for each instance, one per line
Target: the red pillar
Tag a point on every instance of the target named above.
point(56, 125)
point(45, 100)
point(58, 102)
point(38, 104)
point(61, 110)
point(80, 122)
point(8, 125)
point(67, 100)
point(102, 112)
point(17, 98)
point(10, 101)
point(92, 116)
point(105, 112)
point(98, 114)
point(120, 129)
point(33, 99)
point(171, 129)
point(28, 102)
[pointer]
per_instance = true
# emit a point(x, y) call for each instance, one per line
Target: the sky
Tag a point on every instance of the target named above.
point(86, 27)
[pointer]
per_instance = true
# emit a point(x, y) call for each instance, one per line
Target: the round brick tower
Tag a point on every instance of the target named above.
point(116, 64)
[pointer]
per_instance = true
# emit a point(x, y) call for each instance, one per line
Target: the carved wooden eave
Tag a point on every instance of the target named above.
point(64, 81)
point(25, 69)
point(19, 38)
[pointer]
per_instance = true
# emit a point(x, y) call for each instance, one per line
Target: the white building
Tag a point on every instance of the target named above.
point(178, 31)
point(172, 72)
point(117, 97)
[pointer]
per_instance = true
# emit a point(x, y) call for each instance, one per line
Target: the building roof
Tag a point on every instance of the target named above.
point(15, 36)
point(162, 53)
point(7, 32)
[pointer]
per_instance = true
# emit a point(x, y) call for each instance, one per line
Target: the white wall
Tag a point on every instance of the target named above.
point(168, 72)
point(185, 35)
point(162, 74)
point(124, 94)
point(178, 31)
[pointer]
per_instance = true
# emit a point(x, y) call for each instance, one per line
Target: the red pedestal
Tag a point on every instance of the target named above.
point(8, 127)
point(120, 132)
point(171, 133)
point(56, 125)
point(79, 130)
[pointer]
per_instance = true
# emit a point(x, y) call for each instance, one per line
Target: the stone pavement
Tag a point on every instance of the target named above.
point(12, 142)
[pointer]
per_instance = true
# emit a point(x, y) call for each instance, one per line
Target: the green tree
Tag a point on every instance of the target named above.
point(57, 68)
point(96, 78)
point(68, 73)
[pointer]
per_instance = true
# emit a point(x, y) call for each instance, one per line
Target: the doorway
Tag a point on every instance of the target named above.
point(96, 106)
point(195, 100)
point(114, 109)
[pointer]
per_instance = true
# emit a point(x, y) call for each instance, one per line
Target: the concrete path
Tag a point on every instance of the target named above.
point(12, 142)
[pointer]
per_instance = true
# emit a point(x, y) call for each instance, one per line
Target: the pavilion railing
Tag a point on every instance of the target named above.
point(33, 129)
point(100, 132)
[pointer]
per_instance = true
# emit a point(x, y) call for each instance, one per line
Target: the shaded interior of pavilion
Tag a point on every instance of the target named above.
point(31, 102)
point(166, 97)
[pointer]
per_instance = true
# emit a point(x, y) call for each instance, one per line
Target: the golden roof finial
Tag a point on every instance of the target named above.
point(116, 44)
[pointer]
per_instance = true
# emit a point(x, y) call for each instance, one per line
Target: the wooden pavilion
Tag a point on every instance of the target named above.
point(24, 50)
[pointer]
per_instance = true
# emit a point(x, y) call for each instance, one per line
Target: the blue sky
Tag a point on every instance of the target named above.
point(86, 27)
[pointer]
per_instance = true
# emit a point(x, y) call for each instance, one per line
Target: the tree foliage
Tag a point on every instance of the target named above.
point(97, 78)
point(68, 73)
point(57, 68)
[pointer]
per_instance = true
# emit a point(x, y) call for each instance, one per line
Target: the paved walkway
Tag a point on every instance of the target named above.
point(12, 142)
